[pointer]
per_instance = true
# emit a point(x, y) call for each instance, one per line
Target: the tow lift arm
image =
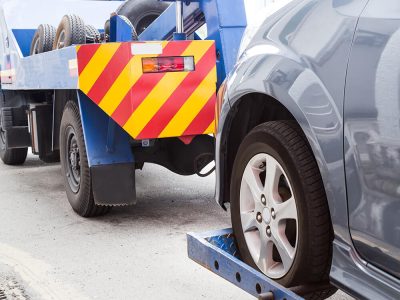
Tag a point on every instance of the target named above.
point(216, 251)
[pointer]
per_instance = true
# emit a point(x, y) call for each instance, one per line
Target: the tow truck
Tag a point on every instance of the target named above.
point(116, 101)
point(106, 101)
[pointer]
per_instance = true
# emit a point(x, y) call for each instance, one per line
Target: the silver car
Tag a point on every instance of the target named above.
point(308, 147)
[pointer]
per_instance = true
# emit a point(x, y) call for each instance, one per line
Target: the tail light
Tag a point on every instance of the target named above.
point(168, 64)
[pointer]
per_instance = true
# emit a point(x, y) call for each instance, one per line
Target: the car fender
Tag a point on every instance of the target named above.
point(277, 73)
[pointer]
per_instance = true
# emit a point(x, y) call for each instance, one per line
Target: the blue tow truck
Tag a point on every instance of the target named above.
point(114, 86)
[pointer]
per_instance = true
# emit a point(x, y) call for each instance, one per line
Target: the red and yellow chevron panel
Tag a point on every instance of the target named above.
point(151, 105)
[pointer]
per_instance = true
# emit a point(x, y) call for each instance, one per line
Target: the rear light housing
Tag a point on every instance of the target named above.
point(168, 64)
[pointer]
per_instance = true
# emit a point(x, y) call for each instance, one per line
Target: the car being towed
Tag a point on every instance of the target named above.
point(308, 147)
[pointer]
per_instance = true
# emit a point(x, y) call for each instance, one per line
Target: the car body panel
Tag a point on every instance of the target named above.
point(372, 136)
point(308, 79)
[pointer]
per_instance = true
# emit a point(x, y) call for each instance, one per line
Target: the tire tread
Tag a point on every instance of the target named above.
point(87, 207)
point(290, 136)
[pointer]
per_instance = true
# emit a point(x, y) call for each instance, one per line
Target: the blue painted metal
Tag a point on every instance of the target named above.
point(180, 36)
point(165, 25)
point(213, 250)
point(226, 22)
point(24, 38)
point(95, 124)
point(120, 31)
point(46, 71)
point(52, 70)
point(106, 143)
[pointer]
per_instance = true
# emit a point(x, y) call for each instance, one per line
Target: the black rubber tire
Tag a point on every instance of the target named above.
point(81, 201)
point(142, 13)
point(74, 31)
point(285, 141)
point(12, 157)
point(43, 39)
point(92, 34)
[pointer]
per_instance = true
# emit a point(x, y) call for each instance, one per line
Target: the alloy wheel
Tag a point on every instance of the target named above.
point(268, 215)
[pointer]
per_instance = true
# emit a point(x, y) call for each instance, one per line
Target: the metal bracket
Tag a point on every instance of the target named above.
point(216, 252)
point(120, 31)
point(180, 34)
point(225, 19)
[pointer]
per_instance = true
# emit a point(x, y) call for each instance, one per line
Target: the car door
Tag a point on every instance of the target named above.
point(372, 136)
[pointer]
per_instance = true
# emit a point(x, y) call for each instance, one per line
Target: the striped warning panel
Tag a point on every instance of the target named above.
point(151, 105)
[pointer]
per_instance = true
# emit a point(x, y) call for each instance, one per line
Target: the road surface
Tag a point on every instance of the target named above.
point(48, 252)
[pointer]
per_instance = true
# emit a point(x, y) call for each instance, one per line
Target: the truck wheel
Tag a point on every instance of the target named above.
point(11, 157)
point(279, 210)
point(92, 34)
point(43, 39)
point(142, 13)
point(74, 165)
point(71, 31)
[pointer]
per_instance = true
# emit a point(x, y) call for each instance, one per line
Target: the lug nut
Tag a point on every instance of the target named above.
point(273, 214)
point(259, 218)
point(263, 200)
point(268, 231)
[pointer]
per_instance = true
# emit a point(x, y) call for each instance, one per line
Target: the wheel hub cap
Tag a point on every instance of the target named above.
point(268, 215)
point(73, 161)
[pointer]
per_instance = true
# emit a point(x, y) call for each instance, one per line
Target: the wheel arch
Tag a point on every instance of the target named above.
point(61, 98)
point(253, 109)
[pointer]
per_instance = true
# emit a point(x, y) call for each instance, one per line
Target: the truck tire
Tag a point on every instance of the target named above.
point(142, 13)
point(43, 39)
point(92, 34)
point(279, 209)
point(71, 31)
point(12, 157)
point(74, 165)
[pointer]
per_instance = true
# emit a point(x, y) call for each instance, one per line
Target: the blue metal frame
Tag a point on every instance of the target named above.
point(106, 143)
point(24, 39)
point(226, 22)
point(216, 251)
point(120, 31)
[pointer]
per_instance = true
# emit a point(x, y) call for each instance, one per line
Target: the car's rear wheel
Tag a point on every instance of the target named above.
point(279, 209)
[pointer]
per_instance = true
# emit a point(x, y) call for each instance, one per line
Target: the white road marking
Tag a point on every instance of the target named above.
point(37, 274)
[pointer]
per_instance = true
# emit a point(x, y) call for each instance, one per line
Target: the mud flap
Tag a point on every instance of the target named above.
point(114, 184)
point(111, 162)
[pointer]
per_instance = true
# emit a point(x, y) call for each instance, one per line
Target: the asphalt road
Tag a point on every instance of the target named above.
point(48, 252)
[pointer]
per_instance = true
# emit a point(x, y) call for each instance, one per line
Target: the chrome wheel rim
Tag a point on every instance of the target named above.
point(268, 214)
